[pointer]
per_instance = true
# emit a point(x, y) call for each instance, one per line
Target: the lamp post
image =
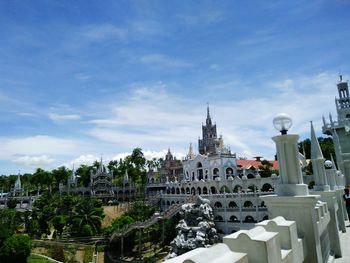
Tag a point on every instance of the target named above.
point(288, 158)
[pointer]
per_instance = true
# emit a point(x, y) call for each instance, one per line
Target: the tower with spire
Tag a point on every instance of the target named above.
point(207, 144)
point(340, 129)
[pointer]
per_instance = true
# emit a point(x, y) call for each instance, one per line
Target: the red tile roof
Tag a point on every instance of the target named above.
point(256, 164)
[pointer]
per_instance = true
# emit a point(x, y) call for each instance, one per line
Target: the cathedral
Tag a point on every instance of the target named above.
point(214, 161)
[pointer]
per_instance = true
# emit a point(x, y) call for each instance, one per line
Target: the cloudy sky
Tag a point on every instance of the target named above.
point(81, 79)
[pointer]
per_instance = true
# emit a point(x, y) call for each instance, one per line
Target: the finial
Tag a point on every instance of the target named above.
point(341, 78)
point(208, 113)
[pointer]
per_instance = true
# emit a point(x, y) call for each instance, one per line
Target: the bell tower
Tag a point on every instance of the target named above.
point(206, 145)
point(340, 129)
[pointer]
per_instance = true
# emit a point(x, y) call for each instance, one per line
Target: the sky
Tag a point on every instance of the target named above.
point(81, 79)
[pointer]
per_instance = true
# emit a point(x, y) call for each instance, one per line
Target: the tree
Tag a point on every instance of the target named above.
point(88, 212)
point(11, 203)
point(58, 222)
point(119, 223)
point(326, 145)
point(265, 169)
point(16, 249)
point(60, 175)
point(84, 174)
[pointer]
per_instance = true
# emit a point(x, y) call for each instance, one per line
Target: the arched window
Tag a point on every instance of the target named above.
point(267, 188)
point(173, 190)
point(237, 188)
point(199, 171)
point(249, 219)
point(229, 172)
point(217, 205)
point(178, 191)
point(193, 191)
point(233, 219)
point(248, 204)
point(215, 173)
point(213, 190)
point(252, 188)
point(218, 218)
point(205, 190)
point(232, 204)
point(224, 189)
point(250, 176)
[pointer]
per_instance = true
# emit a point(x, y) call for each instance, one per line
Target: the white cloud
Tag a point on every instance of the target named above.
point(154, 118)
point(159, 60)
point(63, 117)
point(34, 161)
point(37, 145)
point(103, 32)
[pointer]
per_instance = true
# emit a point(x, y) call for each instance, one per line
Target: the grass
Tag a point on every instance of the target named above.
point(38, 259)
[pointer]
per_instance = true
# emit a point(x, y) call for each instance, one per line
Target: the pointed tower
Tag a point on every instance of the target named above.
point(100, 168)
point(126, 177)
point(190, 154)
point(317, 160)
point(340, 129)
point(18, 184)
point(206, 145)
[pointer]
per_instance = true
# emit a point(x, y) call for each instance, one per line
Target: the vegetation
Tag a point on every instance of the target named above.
point(327, 149)
point(38, 259)
point(15, 248)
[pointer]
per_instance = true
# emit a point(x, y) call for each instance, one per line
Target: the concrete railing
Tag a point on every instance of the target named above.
point(270, 241)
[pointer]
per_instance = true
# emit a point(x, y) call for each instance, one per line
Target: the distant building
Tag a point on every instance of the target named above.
point(340, 129)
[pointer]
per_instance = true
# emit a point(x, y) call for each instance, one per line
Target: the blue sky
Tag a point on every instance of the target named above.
point(83, 78)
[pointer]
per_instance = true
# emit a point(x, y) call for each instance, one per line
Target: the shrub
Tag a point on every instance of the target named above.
point(16, 249)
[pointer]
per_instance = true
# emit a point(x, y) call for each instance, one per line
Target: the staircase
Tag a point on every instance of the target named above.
point(167, 214)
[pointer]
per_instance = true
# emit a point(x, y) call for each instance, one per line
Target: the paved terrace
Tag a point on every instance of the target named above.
point(345, 241)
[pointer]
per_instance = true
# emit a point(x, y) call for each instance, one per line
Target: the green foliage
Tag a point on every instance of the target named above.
point(60, 175)
point(10, 221)
point(58, 222)
point(84, 175)
point(119, 223)
point(86, 231)
point(140, 211)
point(88, 254)
point(15, 249)
point(11, 203)
point(265, 169)
point(38, 259)
point(326, 144)
point(69, 212)
point(88, 212)
point(170, 231)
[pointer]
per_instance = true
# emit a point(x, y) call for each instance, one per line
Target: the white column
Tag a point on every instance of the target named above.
point(291, 183)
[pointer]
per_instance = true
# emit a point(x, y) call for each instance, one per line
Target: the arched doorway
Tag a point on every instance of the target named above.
point(199, 171)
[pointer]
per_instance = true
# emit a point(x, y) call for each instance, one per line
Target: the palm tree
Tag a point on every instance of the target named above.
point(87, 213)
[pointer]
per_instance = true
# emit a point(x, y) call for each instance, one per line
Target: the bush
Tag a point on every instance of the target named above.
point(88, 254)
point(16, 249)
point(119, 223)
point(11, 203)
point(86, 231)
